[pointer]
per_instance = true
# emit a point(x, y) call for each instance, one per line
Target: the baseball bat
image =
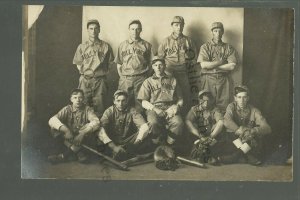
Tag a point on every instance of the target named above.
point(119, 164)
point(137, 159)
point(191, 162)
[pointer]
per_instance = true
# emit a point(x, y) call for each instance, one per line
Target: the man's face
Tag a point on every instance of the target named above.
point(217, 34)
point(205, 102)
point(158, 67)
point(135, 31)
point(93, 30)
point(177, 28)
point(121, 102)
point(241, 99)
point(77, 100)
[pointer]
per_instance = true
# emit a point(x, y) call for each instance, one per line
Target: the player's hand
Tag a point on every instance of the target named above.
point(118, 149)
point(159, 112)
point(172, 111)
point(78, 139)
point(68, 135)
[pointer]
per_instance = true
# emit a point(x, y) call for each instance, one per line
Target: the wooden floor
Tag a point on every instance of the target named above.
point(34, 165)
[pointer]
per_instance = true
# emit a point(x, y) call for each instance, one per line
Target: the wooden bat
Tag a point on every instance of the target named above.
point(139, 159)
point(119, 164)
point(190, 162)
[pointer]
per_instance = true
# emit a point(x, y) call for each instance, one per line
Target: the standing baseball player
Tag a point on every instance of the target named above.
point(133, 62)
point(179, 51)
point(162, 99)
point(217, 60)
point(93, 58)
point(123, 129)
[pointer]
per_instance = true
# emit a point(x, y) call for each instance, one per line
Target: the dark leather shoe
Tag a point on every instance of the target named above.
point(252, 160)
point(82, 158)
point(232, 158)
point(214, 161)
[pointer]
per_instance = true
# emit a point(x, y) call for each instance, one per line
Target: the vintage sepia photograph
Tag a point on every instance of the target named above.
point(157, 93)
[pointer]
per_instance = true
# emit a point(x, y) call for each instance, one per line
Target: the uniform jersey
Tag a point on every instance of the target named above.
point(160, 90)
point(249, 117)
point(174, 49)
point(120, 125)
point(134, 57)
point(204, 120)
point(75, 119)
point(211, 51)
point(94, 56)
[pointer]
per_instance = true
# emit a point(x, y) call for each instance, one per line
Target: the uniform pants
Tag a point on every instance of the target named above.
point(90, 140)
point(157, 125)
point(220, 87)
point(224, 145)
point(95, 90)
point(184, 84)
point(146, 146)
point(132, 85)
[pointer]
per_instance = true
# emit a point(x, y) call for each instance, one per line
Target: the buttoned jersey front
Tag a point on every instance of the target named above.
point(249, 117)
point(204, 119)
point(75, 119)
point(160, 90)
point(173, 49)
point(212, 51)
point(134, 57)
point(120, 125)
point(95, 56)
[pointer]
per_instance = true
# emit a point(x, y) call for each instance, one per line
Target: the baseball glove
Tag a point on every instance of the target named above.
point(201, 149)
point(165, 158)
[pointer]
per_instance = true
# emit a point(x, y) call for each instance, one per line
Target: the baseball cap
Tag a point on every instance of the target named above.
point(202, 92)
point(177, 19)
point(156, 58)
point(240, 88)
point(217, 25)
point(92, 21)
point(120, 92)
point(135, 21)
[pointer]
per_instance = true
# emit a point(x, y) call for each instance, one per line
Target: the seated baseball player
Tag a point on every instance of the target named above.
point(162, 99)
point(123, 129)
point(245, 128)
point(205, 122)
point(74, 124)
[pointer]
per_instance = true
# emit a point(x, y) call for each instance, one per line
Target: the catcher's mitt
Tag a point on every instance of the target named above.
point(201, 149)
point(165, 158)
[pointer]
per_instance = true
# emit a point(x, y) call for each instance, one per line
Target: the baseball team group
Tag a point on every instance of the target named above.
point(152, 111)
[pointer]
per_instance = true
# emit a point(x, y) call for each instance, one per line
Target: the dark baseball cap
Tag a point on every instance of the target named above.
point(202, 92)
point(241, 88)
point(92, 21)
point(120, 92)
point(157, 58)
point(177, 19)
point(217, 25)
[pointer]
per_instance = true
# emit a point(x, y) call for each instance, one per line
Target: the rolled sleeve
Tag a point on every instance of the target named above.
point(103, 136)
point(78, 58)
point(55, 123)
point(233, 56)
point(119, 57)
point(263, 127)
point(191, 116)
point(94, 122)
point(144, 93)
point(203, 54)
point(228, 119)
